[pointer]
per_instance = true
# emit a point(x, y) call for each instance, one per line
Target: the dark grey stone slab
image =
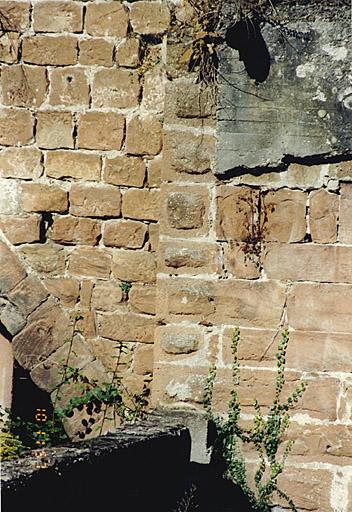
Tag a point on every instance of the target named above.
point(304, 107)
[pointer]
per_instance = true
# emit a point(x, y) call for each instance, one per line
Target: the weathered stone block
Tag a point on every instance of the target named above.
point(323, 214)
point(69, 87)
point(345, 230)
point(44, 258)
point(54, 130)
point(143, 359)
point(134, 266)
point(187, 153)
point(95, 201)
point(9, 197)
point(105, 94)
point(23, 163)
point(127, 53)
point(49, 50)
point(320, 307)
point(89, 262)
point(96, 52)
point(179, 342)
point(155, 167)
point(107, 351)
point(73, 230)
point(107, 19)
point(11, 270)
point(126, 327)
point(106, 296)
point(149, 17)
point(11, 317)
point(286, 216)
point(142, 298)
point(242, 259)
point(58, 17)
point(48, 328)
point(85, 295)
point(141, 204)
point(23, 86)
point(144, 135)
point(236, 212)
point(124, 233)
point(72, 164)
point(154, 90)
point(188, 257)
point(100, 130)
point(37, 197)
point(9, 47)
point(21, 230)
point(28, 294)
point(64, 289)
point(16, 126)
point(124, 170)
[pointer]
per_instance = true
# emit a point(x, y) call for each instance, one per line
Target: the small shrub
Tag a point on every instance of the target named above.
point(10, 446)
point(266, 433)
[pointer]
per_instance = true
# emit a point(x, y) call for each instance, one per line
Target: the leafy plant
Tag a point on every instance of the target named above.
point(11, 446)
point(266, 433)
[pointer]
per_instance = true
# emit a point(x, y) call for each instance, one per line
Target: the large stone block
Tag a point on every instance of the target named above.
point(142, 298)
point(150, 17)
point(124, 233)
point(58, 16)
point(128, 53)
point(90, 262)
point(64, 289)
point(47, 259)
point(24, 86)
point(128, 171)
point(107, 296)
point(100, 130)
point(105, 94)
point(107, 19)
point(11, 270)
point(23, 163)
point(21, 230)
point(126, 327)
point(144, 135)
point(47, 329)
point(74, 230)
point(49, 50)
point(134, 266)
point(96, 52)
point(28, 294)
point(15, 15)
point(37, 197)
point(9, 47)
point(69, 87)
point(72, 164)
point(95, 201)
point(141, 204)
point(16, 126)
point(284, 216)
point(189, 257)
point(54, 130)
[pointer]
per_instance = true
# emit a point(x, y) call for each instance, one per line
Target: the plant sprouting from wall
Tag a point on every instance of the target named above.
point(266, 433)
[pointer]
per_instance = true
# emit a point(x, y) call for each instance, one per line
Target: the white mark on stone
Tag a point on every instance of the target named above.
point(304, 69)
point(336, 52)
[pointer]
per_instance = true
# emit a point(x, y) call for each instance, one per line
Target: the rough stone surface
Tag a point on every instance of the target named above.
point(23, 163)
point(24, 86)
point(11, 271)
point(21, 230)
point(141, 204)
point(126, 327)
point(107, 19)
point(28, 294)
point(142, 298)
point(72, 165)
point(124, 233)
point(100, 130)
point(43, 198)
point(47, 50)
point(134, 266)
point(58, 17)
point(105, 93)
point(16, 127)
point(91, 201)
point(128, 53)
point(96, 51)
point(122, 170)
point(144, 135)
point(54, 130)
point(74, 230)
point(48, 259)
point(323, 214)
point(64, 289)
point(149, 17)
point(69, 87)
point(107, 296)
point(90, 263)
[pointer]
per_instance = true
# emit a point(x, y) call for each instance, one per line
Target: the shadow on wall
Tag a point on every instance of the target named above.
point(245, 37)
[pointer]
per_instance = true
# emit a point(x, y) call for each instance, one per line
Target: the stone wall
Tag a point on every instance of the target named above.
point(83, 87)
point(81, 136)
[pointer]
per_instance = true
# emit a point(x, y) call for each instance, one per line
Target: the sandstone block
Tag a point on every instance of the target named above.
point(155, 167)
point(46, 374)
point(21, 230)
point(72, 164)
point(89, 262)
point(311, 263)
point(107, 351)
point(188, 100)
point(95, 201)
point(23, 86)
point(74, 230)
point(28, 294)
point(47, 329)
point(9, 197)
point(242, 260)
point(286, 216)
point(11, 270)
point(154, 90)
point(345, 230)
point(236, 213)
point(69, 87)
point(126, 327)
point(323, 213)
point(11, 317)
point(134, 266)
point(105, 94)
point(340, 171)
point(107, 19)
point(49, 50)
point(142, 298)
point(154, 236)
point(178, 341)
point(23, 163)
point(187, 153)
point(176, 384)
point(143, 359)
point(188, 258)
point(9, 46)
point(64, 289)
point(186, 209)
point(95, 52)
point(16, 126)
point(86, 324)
point(124, 233)
point(252, 303)
point(15, 15)
point(44, 258)
point(86, 291)
point(54, 130)
point(106, 296)
point(101, 130)
point(127, 53)
point(149, 17)
point(144, 135)
point(125, 170)
point(52, 16)
point(37, 197)
point(320, 307)
point(256, 346)
point(141, 204)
